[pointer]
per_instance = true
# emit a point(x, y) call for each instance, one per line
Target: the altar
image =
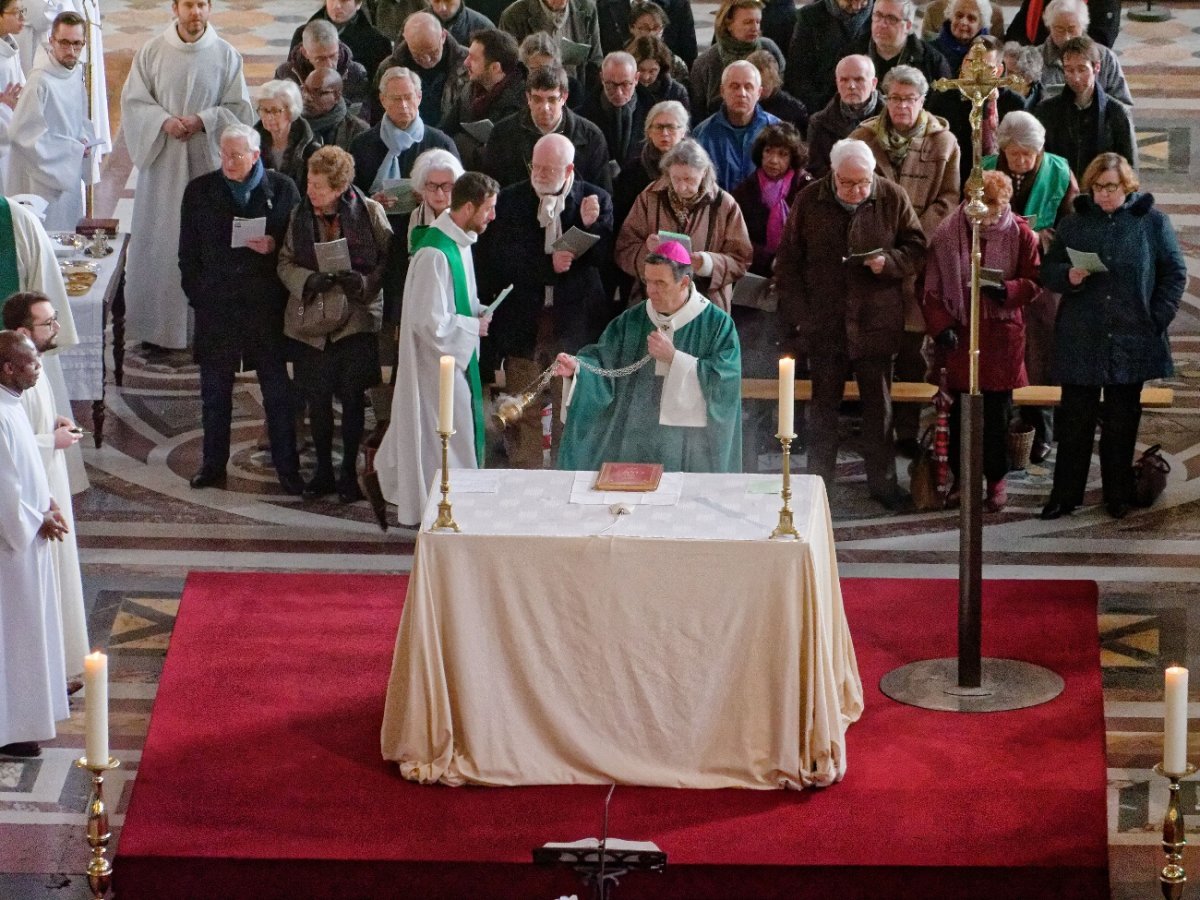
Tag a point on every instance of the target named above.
point(560, 639)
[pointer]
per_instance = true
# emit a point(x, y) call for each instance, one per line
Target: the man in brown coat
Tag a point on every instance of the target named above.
point(851, 240)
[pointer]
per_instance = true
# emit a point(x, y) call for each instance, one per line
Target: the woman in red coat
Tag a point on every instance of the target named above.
point(1007, 244)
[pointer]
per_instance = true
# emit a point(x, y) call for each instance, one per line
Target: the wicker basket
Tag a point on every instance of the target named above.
point(1020, 443)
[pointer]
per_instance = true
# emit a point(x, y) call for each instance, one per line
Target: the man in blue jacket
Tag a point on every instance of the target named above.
point(728, 134)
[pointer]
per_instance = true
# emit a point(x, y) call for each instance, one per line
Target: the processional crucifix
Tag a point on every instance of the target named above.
point(971, 683)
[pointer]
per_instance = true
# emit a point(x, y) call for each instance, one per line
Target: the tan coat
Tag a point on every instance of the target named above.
point(715, 226)
point(929, 175)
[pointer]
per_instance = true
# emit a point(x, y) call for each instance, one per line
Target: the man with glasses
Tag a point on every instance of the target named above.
point(369, 45)
point(851, 240)
point(427, 49)
point(618, 108)
point(321, 48)
point(893, 42)
point(728, 134)
point(184, 88)
point(33, 315)
point(510, 149)
point(558, 300)
point(326, 111)
point(51, 134)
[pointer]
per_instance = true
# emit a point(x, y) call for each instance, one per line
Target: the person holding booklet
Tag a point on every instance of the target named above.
point(1111, 332)
point(337, 355)
point(550, 239)
point(232, 225)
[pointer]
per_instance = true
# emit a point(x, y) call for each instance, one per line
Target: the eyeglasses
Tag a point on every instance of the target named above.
point(51, 323)
point(440, 187)
point(665, 128)
point(887, 20)
point(898, 100)
point(1108, 187)
point(20, 12)
point(271, 111)
point(71, 45)
point(234, 157)
point(863, 185)
point(546, 170)
point(623, 85)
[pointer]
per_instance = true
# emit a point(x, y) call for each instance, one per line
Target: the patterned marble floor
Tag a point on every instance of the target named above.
point(142, 529)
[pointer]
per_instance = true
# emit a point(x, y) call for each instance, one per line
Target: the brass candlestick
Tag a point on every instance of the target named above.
point(99, 869)
point(1174, 837)
point(785, 528)
point(445, 518)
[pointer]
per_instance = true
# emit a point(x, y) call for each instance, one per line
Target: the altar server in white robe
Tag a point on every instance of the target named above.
point(36, 269)
point(50, 132)
point(32, 314)
point(185, 86)
point(33, 49)
point(12, 75)
point(33, 679)
point(441, 316)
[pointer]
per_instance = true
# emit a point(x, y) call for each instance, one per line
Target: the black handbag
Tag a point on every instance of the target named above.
point(1149, 476)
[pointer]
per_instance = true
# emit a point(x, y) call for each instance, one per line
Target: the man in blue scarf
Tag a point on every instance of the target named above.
point(238, 300)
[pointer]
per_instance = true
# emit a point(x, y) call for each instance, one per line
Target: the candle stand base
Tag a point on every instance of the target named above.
point(1172, 878)
point(99, 869)
point(445, 517)
point(786, 529)
point(1006, 684)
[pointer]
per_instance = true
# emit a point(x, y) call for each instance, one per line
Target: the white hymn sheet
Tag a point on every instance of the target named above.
point(244, 229)
point(1089, 262)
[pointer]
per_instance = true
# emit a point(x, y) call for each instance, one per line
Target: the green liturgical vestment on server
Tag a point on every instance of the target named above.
point(686, 415)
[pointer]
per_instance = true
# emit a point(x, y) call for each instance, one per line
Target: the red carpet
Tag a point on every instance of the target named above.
point(261, 776)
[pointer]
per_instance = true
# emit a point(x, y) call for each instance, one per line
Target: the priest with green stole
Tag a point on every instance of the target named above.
point(663, 384)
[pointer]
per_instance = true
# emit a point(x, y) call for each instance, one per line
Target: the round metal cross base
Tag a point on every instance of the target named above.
point(1149, 15)
point(1006, 684)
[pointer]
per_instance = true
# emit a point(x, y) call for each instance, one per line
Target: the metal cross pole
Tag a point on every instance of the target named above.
point(970, 683)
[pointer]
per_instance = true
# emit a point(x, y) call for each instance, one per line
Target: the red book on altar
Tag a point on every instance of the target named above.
point(621, 476)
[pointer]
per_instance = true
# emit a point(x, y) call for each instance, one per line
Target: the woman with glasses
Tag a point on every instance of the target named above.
point(666, 126)
point(1111, 333)
point(1008, 246)
point(647, 19)
point(685, 199)
point(654, 72)
point(12, 77)
point(287, 138)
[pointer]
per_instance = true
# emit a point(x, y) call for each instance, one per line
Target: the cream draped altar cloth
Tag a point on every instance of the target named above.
point(559, 643)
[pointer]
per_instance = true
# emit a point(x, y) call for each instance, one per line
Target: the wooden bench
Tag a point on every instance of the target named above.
point(919, 392)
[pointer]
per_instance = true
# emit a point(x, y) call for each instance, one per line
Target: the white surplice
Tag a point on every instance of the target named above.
point(49, 134)
point(38, 403)
point(33, 679)
point(169, 78)
point(411, 452)
point(37, 270)
point(10, 73)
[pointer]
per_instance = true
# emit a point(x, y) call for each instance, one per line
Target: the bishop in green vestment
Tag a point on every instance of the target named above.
point(683, 407)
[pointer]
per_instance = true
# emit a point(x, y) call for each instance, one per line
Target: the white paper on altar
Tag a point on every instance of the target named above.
point(666, 494)
point(470, 481)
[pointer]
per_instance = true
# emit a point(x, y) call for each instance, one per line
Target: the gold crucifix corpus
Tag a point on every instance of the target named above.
point(976, 82)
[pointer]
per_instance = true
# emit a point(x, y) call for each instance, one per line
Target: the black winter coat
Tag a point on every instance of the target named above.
point(680, 35)
point(369, 152)
point(369, 45)
point(236, 294)
point(512, 251)
point(510, 148)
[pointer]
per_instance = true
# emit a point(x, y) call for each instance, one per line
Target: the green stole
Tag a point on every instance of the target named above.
point(434, 237)
point(10, 280)
point(1051, 185)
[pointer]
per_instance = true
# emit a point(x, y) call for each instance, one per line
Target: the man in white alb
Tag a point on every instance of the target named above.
point(50, 133)
point(185, 86)
point(33, 693)
point(32, 314)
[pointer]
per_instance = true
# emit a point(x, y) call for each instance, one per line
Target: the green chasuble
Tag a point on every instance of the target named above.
point(617, 419)
point(10, 279)
point(1052, 183)
point(439, 240)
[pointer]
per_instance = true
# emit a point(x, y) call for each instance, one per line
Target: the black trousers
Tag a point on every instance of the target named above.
point(343, 369)
point(1119, 415)
point(216, 400)
point(874, 377)
point(997, 410)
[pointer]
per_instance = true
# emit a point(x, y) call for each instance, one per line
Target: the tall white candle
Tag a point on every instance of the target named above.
point(95, 713)
point(787, 396)
point(1175, 723)
point(446, 396)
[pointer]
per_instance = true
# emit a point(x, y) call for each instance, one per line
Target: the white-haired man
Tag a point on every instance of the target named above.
point(386, 153)
point(728, 134)
point(851, 240)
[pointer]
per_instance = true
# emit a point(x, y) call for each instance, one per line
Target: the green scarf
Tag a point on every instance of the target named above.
point(731, 50)
point(1050, 185)
point(10, 280)
point(895, 144)
point(439, 240)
